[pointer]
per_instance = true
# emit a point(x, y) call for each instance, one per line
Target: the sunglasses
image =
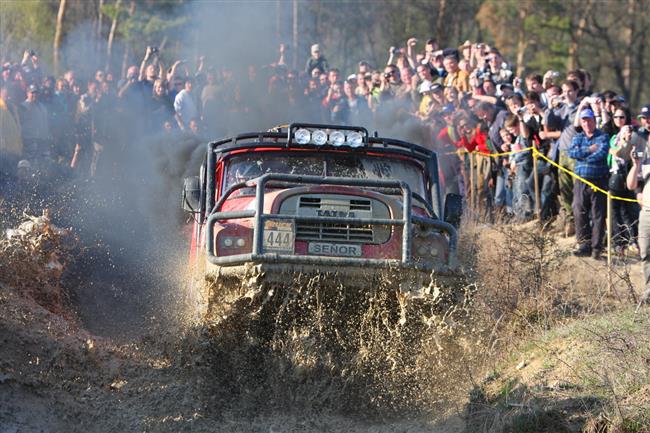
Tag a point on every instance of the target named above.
point(619, 117)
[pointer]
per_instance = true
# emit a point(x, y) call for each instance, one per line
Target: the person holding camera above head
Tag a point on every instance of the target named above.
point(625, 213)
point(638, 180)
point(589, 149)
point(150, 69)
point(563, 115)
point(31, 68)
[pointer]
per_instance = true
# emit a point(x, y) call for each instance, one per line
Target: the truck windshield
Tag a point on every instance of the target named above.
point(243, 167)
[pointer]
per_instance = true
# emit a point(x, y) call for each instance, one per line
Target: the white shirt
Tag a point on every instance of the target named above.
point(185, 106)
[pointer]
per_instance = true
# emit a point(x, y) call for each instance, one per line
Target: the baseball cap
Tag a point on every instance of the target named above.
point(645, 111)
point(351, 77)
point(449, 108)
point(435, 87)
point(315, 48)
point(23, 163)
point(425, 86)
point(587, 113)
point(33, 88)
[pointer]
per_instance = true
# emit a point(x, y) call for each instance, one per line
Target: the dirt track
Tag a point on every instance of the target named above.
point(168, 375)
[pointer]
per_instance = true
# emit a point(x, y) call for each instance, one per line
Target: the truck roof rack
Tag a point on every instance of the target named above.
point(276, 137)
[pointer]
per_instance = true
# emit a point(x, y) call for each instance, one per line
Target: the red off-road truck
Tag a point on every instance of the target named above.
point(330, 200)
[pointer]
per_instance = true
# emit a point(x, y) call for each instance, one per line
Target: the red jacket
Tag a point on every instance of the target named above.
point(478, 142)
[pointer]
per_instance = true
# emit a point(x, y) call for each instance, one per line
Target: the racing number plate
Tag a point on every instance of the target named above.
point(279, 236)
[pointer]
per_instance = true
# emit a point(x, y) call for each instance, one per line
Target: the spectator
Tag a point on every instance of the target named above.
point(625, 214)
point(317, 60)
point(589, 149)
point(35, 128)
point(185, 106)
point(161, 107)
point(637, 180)
point(564, 116)
point(359, 113)
point(455, 77)
point(392, 87)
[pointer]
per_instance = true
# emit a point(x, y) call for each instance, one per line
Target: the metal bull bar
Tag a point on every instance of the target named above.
point(258, 255)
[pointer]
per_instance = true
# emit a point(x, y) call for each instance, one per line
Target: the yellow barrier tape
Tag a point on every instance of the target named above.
point(583, 180)
point(553, 163)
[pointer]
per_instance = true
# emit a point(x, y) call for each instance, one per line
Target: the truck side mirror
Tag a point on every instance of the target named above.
point(453, 209)
point(191, 194)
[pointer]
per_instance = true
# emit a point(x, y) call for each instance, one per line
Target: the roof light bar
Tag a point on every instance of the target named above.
point(333, 135)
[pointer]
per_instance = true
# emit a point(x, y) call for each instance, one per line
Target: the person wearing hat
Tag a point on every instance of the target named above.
point(589, 149)
point(34, 126)
point(455, 77)
point(317, 60)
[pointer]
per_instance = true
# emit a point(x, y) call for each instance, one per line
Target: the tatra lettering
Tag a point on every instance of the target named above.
point(336, 213)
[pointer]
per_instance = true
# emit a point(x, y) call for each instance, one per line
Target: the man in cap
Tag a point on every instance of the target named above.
point(35, 126)
point(317, 60)
point(589, 149)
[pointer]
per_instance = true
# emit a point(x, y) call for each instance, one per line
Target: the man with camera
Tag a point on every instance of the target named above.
point(638, 179)
point(589, 149)
point(392, 86)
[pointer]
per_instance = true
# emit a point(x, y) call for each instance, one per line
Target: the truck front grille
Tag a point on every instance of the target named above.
point(338, 206)
point(334, 232)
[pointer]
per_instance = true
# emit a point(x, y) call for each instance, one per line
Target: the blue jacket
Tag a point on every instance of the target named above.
point(590, 165)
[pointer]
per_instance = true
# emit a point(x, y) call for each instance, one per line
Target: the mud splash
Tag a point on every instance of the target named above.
point(317, 346)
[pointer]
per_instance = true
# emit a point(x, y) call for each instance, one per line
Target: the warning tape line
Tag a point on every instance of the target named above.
point(537, 153)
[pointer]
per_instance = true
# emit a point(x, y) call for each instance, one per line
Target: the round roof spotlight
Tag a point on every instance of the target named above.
point(355, 139)
point(302, 136)
point(319, 137)
point(337, 138)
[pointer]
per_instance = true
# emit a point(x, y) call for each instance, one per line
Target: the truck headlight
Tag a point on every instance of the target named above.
point(302, 136)
point(337, 138)
point(355, 139)
point(319, 137)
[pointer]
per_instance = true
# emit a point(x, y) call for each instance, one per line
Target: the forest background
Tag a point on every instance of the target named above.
point(609, 38)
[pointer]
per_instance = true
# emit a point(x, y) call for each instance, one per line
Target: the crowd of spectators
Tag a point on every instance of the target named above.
point(467, 97)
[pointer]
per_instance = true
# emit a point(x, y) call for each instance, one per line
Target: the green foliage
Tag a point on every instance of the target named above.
point(24, 25)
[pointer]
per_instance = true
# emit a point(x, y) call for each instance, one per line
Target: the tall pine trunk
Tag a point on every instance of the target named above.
point(58, 34)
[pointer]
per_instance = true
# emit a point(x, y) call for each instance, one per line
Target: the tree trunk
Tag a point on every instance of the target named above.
point(628, 36)
point(127, 50)
point(100, 27)
point(522, 40)
point(572, 59)
point(442, 10)
point(58, 33)
point(295, 33)
point(111, 34)
point(640, 79)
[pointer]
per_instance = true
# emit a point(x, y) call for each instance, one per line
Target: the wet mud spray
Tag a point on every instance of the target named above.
point(315, 346)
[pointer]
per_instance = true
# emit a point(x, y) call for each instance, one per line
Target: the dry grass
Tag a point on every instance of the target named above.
point(563, 352)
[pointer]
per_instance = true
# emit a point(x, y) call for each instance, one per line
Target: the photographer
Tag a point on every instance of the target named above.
point(625, 214)
point(392, 87)
point(638, 180)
